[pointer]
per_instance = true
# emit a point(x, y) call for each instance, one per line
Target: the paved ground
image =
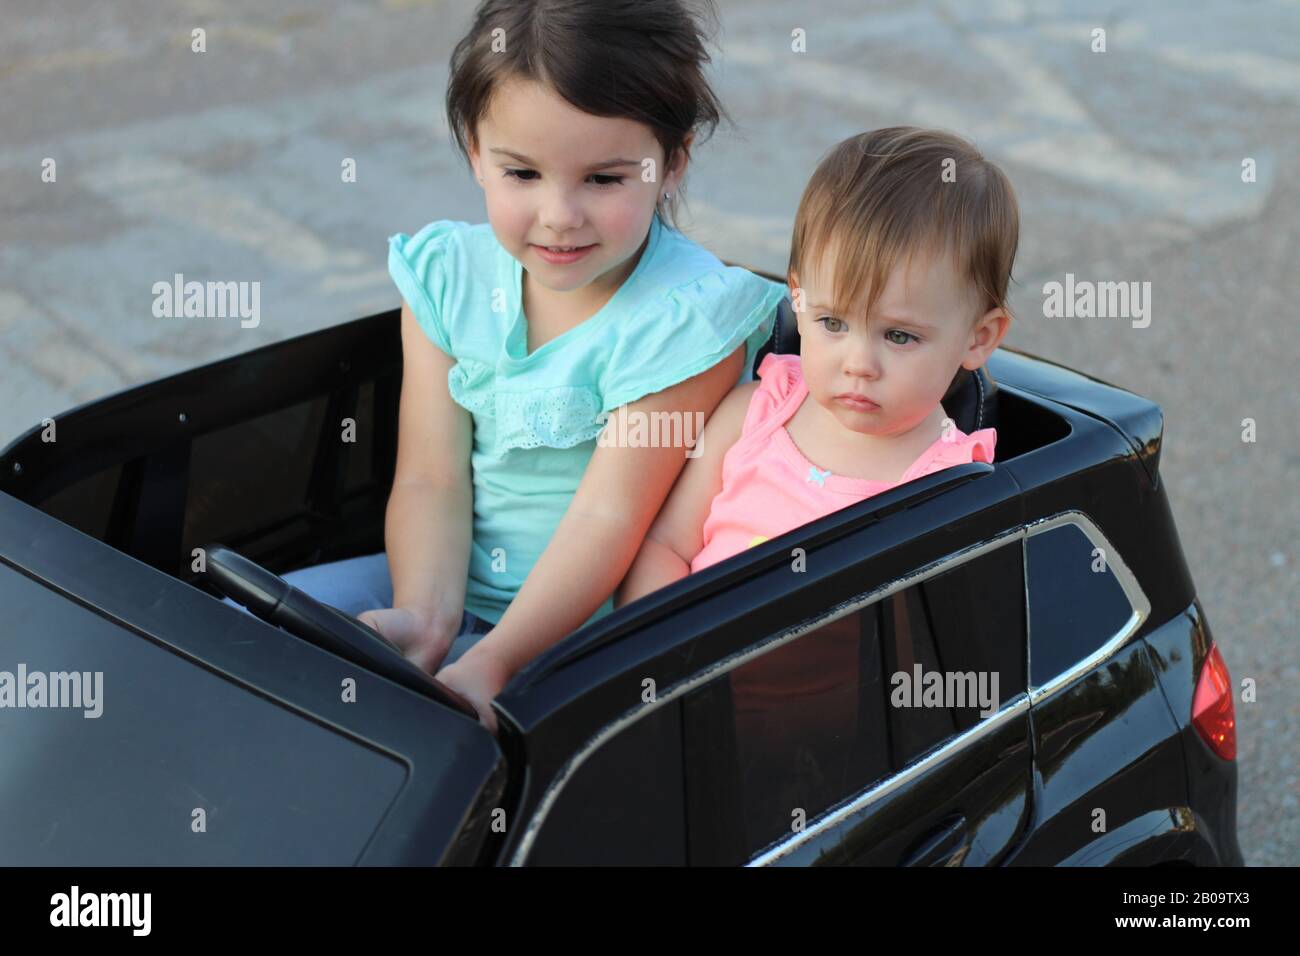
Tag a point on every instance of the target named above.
point(226, 165)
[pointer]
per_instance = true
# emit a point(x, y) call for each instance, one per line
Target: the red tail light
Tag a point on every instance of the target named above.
point(1212, 709)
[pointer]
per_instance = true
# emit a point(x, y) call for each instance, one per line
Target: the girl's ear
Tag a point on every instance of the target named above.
point(989, 331)
point(681, 160)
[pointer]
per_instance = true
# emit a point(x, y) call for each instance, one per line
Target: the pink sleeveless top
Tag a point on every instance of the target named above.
point(769, 487)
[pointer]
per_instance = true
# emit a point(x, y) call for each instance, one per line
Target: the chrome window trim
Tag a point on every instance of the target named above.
point(1128, 582)
point(837, 815)
point(828, 819)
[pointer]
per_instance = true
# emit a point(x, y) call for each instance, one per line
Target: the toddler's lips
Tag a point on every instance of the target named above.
point(858, 403)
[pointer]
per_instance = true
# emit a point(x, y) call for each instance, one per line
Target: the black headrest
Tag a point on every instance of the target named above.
point(971, 399)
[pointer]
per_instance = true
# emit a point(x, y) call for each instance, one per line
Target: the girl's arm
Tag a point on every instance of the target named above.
point(677, 534)
point(427, 527)
point(592, 547)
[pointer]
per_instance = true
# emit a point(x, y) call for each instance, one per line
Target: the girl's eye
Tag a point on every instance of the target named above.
point(602, 180)
point(905, 336)
point(831, 324)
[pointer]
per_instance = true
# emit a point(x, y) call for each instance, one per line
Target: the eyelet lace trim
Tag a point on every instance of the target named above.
point(558, 417)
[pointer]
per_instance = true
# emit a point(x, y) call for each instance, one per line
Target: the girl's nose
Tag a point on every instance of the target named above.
point(559, 212)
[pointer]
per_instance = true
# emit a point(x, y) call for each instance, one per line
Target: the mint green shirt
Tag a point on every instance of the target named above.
point(536, 417)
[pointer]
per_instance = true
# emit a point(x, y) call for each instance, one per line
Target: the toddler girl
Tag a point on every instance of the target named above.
point(902, 252)
point(521, 335)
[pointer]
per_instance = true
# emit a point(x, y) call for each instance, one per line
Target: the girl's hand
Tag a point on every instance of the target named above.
point(423, 635)
point(478, 678)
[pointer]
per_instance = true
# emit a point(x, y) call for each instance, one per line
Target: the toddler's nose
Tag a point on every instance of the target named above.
point(861, 360)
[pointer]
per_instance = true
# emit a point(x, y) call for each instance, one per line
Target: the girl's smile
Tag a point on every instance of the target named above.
point(561, 255)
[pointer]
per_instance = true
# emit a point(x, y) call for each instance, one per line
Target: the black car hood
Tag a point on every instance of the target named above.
point(195, 733)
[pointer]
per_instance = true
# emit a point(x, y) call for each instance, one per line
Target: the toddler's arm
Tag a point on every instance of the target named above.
point(677, 534)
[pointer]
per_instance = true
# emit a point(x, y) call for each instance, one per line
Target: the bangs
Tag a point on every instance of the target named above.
point(859, 261)
point(881, 198)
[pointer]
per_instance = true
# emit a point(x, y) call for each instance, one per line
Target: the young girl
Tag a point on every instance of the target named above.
point(522, 334)
point(899, 278)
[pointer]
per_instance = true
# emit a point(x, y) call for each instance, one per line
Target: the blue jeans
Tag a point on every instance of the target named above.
point(363, 584)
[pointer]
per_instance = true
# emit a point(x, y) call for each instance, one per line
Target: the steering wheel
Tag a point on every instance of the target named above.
point(276, 601)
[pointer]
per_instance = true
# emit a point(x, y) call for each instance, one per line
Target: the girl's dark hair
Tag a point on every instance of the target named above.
point(636, 59)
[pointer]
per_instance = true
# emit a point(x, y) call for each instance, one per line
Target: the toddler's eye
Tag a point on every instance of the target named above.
point(905, 336)
point(523, 175)
point(832, 324)
point(609, 179)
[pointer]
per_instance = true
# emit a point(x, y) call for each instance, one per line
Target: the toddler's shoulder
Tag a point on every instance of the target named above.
point(780, 377)
point(977, 446)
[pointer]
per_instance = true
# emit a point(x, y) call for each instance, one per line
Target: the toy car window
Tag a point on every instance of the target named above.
point(1076, 603)
point(87, 505)
point(361, 463)
point(787, 735)
point(256, 472)
point(910, 650)
point(623, 804)
point(784, 736)
point(954, 649)
point(977, 613)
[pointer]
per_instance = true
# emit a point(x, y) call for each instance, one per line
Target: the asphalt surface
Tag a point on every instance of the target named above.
point(1128, 167)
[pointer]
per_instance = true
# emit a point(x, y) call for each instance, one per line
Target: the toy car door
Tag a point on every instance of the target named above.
point(890, 730)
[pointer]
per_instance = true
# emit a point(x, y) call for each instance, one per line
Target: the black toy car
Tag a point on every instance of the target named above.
point(762, 711)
